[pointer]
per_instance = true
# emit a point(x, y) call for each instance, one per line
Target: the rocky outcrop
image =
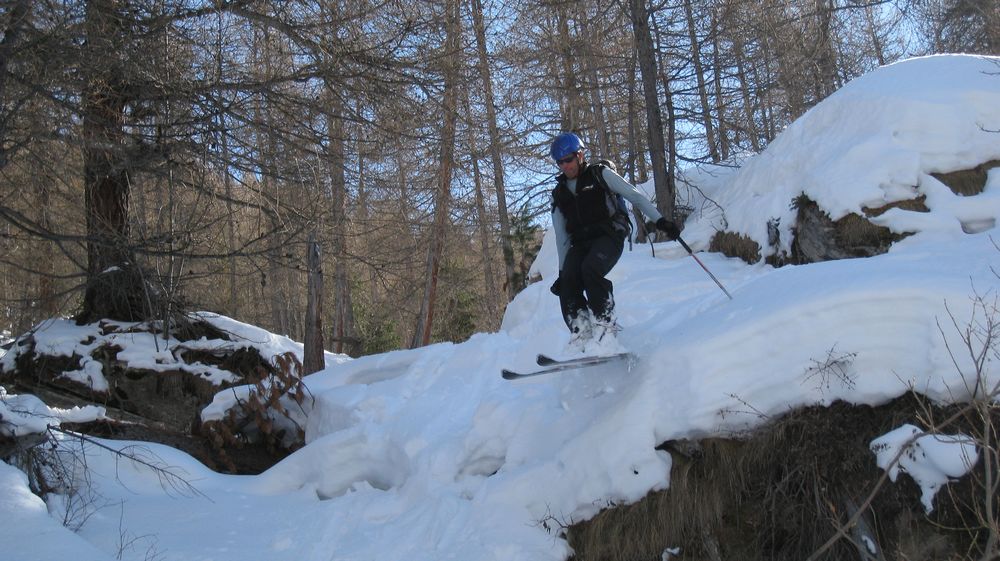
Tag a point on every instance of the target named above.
point(159, 402)
point(819, 238)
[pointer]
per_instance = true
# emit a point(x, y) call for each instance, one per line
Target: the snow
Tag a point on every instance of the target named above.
point(874, 142)
point(931, 460)
point(26, 414)
point(141, 349)
point(428, 454)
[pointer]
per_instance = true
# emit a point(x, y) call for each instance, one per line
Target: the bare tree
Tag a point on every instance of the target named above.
point(961, 25)
point(114, 283)
point(495, 146)
point(313, 358)
point(450, 60)
point(699, 72)
point(665, 194)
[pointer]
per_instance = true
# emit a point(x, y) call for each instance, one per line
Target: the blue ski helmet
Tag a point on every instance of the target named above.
point(565, 144)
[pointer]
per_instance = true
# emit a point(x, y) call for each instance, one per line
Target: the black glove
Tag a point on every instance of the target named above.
point(556, 287)
point(668, 228)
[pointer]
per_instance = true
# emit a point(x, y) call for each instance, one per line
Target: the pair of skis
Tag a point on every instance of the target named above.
point(555, 365)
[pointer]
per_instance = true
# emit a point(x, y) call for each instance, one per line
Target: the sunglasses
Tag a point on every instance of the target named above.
point(567, 159)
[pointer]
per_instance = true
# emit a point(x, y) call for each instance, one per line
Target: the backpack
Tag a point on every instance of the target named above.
point(621, 215)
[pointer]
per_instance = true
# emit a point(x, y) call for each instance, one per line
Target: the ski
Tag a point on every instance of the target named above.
point(545, 360)
point(565, 365)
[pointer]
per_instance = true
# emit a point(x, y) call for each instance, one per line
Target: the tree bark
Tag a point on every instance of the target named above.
point(115, 288)
point(345, 334)
point(637, 171)
point(313, 359)
point(825, 56)
point(495, 149)
point(720, 102)
point(665, 192)
point(233, 308)
point(877, 44)
point(749, 102)
point(11, 35)
point(492, 309)
point(565, 71)
point(442, 198)
point(699, 72)
point(600, 122)
point(276, 284)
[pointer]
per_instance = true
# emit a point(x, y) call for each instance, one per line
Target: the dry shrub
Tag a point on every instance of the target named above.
point(917, 204)
point(263, 418)
point(861, 238)
point(735, 245)
point(967, 182)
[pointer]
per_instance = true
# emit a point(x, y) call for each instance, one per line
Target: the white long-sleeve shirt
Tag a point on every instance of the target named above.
point(616, 184)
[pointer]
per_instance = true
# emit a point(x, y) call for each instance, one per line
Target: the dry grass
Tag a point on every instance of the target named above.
point(735, 245)
point(862, 238)
point(918, 204)
point(967, 182)
point(781, 492)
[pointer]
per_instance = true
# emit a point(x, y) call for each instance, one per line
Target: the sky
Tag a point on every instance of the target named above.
point(429, 455)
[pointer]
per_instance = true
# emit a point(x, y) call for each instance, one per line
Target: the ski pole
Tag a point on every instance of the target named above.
point(691, 253)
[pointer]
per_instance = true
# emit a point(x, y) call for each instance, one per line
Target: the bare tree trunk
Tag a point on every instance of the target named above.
point(789, 79)
point(825, 56)
point(671, 143)
point(114, 286)
point(227, 178)
point(665, 192)
point(564, 69)
point(495, 149)
point(345, 335)
point(313, 359)
point(45, 298)
point(442, 199)
point(668, 97)
point(276, 282)
point(765, 72)
point(720, 103)
point(492, 309)
point(637, 159)
point(364, 215)
point(699, 72)
point(16, 18)
point(877, 45)
point(749, 103)
point(600, 122)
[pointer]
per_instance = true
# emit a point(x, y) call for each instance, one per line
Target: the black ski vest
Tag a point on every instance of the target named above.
point(591, 212)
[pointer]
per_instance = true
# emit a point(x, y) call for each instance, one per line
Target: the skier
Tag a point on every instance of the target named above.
point(591, 225)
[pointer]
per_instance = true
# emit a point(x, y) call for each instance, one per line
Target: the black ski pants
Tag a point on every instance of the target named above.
point(581, 280)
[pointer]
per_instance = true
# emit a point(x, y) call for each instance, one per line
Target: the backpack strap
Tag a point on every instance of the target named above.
point(597, 168)
point(559, 192)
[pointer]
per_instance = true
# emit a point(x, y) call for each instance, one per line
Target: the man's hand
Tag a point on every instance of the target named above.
point(668, 228)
